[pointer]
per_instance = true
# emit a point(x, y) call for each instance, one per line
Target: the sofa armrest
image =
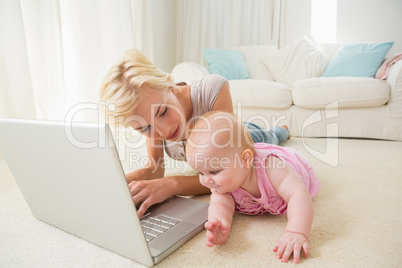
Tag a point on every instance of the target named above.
point(189, 71)
point(395, 81)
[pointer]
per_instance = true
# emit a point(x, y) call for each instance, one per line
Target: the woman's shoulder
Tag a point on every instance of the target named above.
point(210, 84)
point(215, 78)
point(211, 80)
point(205, 92)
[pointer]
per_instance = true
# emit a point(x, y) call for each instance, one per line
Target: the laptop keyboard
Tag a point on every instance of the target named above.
point(154, 226)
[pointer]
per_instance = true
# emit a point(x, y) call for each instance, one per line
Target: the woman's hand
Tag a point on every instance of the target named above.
point(150, 192)
point(291, 243)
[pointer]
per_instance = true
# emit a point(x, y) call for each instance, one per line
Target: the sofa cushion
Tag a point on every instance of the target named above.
point(253, 56)
point(351, 92)
point(298, 60)
point(260, 94)
point(358, 59)
point(228, 63)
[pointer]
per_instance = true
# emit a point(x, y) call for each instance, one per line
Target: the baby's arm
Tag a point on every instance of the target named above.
point(220, 215)
point(299, 211)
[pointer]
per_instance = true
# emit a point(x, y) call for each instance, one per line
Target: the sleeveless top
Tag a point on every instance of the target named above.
point(203, 94)
point(270, 201)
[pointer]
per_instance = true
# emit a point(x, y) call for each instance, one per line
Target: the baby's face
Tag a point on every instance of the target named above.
point(220, 170)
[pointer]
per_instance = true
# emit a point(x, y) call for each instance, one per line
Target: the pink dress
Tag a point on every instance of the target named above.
point(270, 201)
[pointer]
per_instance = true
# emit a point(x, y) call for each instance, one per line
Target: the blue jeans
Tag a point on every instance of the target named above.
point(275, 135)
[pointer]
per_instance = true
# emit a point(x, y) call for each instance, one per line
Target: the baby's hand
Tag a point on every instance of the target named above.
point(291, 243)
point(217, 232)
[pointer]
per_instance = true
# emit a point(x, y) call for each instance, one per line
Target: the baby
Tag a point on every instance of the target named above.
point(251, 179)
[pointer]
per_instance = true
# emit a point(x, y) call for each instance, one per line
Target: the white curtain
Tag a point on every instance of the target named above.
point(225, 23)
point(54, 53)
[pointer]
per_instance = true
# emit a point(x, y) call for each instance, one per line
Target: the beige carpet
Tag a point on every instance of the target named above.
point(358, 220)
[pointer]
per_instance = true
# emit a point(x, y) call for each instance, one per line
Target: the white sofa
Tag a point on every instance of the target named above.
point(285, 87)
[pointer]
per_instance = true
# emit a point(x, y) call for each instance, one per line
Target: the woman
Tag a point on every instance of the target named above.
point(147, 99)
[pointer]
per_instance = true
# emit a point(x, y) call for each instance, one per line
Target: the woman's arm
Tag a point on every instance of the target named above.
point(154, 168)
point(148, 186)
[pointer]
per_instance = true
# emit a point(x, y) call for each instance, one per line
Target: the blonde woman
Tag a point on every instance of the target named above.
point(147, 99)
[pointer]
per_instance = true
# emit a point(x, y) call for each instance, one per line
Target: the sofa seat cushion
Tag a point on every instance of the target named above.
point(258, 93)
point(351, 92)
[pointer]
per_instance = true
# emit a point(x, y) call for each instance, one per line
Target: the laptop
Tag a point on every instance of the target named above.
point(71, 177)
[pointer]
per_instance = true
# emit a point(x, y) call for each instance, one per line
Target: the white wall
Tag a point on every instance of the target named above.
point(357, 21)
point(370, 21)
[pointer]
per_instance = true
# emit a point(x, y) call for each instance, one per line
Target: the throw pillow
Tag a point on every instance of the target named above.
point(299, 60)
point(253, 56)
point(228, 63)
point(358, 59)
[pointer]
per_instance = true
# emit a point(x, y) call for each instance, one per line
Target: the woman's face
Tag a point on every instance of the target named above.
point(159, 115)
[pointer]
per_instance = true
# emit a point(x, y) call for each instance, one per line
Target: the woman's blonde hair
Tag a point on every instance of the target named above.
point(124, 83)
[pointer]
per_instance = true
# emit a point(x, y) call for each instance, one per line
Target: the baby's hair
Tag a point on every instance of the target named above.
point(124, 83)
point(217, 122)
